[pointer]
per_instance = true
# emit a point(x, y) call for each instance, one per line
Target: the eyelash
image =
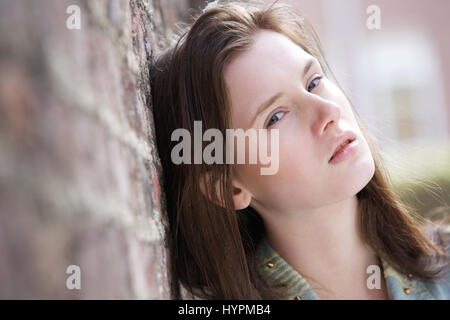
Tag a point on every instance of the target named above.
point(316, 78)
point(271, 117)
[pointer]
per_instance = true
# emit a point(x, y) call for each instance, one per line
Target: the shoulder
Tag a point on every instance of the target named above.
point(440, 288)
point(408, 287)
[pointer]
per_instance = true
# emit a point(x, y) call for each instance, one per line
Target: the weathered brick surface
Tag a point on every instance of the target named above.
point(79, 172)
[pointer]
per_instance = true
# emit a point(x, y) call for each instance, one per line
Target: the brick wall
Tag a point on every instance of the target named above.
point(79, 172)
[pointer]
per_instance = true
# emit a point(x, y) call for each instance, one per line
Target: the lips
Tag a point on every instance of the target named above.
point(341, 141)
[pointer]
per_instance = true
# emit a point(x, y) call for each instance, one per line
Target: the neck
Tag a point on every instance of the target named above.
point(325, 246)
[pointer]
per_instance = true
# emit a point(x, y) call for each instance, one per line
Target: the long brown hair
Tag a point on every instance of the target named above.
point(213, 247)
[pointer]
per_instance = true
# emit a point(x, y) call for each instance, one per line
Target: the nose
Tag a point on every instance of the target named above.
point(326, 113)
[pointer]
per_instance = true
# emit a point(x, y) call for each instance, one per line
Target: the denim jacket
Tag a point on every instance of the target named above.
point(399, 286)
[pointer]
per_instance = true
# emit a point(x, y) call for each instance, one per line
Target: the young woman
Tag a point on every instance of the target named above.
point(326, 224)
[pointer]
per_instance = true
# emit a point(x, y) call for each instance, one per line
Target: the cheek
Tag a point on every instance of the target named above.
point(298, 155)
point(297, 168)
point(298, 159)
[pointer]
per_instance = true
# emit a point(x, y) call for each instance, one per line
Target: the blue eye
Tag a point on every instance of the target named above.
point(275, 118)
point(312, 82)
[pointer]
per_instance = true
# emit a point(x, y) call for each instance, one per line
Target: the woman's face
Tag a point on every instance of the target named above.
point(309, 114)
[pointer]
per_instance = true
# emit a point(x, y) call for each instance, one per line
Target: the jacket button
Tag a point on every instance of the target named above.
point(407, 290)
point(270, 264)
point(298, 298)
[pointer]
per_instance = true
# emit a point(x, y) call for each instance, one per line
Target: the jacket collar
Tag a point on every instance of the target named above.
point(278, 272)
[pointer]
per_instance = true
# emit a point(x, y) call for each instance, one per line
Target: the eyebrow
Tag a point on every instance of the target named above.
point(275, 97)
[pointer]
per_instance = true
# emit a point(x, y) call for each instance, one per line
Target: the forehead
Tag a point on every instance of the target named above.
point(268, 66)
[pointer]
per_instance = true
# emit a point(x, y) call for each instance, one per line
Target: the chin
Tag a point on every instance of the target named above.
point(366, 174)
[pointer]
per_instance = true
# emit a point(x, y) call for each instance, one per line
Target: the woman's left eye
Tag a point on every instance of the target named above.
point(275, 118)
point(313, 82)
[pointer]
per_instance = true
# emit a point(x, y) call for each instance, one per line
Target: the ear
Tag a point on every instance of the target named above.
point(241, 196)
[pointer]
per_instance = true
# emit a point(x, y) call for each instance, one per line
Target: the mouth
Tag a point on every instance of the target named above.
point(341, 146)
